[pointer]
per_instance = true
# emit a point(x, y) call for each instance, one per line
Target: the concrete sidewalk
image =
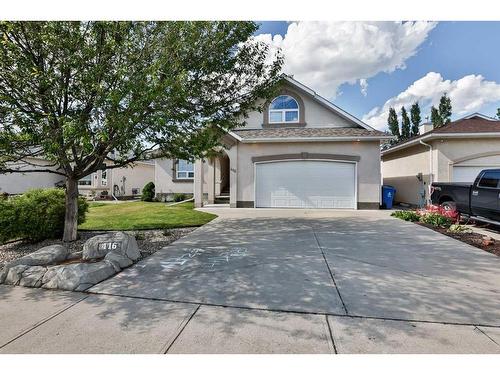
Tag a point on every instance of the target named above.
point(40, 321)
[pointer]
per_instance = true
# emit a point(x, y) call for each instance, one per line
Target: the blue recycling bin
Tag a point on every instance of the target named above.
point(388, 196)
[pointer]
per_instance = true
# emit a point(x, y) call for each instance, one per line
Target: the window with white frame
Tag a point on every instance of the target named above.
point(283, 109)
point(85, 181)
point(184, 170)
point(104, 177)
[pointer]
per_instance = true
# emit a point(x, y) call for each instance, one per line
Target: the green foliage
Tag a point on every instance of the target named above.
point(457, 228)
point(436, 220)
point(498, 113)
point(405, 124)
point(442, 115)
point(445, 109)
point(392, 122)
point(406, 215)
point(415, 119)
point(36, 215)
point(179, 197)
point(148, 192)
point(435, 118)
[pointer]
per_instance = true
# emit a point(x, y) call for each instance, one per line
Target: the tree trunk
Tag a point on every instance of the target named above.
point(71, 217)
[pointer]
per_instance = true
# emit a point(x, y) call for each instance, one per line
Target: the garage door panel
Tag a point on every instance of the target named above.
point(305, 184)
point(465, 173)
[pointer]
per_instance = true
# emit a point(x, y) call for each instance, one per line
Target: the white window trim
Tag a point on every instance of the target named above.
point(177, 171)
point(283, 112)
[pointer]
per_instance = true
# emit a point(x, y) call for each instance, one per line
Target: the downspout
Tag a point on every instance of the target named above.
point(112, 186)
point(430, 167)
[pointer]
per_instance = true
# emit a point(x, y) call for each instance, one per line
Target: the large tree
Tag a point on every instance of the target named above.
point(82, 94)
point(393, 124)
point(405, 124)
point(445, 109)
point(436, 118)
point(415, 119)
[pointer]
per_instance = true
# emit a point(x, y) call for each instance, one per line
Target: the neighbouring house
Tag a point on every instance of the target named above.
point(302, 151)
point(18, 183)
point(124, 182)
point(455, 152)
point(120, 182)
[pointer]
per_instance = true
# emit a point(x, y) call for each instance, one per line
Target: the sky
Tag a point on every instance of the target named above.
point(367, 67)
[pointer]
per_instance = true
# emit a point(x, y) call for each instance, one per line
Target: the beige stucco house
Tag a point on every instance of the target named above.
point(302, 151)
point(120, 182)
point(456, 152)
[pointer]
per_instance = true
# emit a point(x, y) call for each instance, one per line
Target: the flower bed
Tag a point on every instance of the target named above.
point(448, 222)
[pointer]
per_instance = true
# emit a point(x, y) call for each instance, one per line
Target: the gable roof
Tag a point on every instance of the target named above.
point(307, 135)
point(324, 102)
point(471, 126)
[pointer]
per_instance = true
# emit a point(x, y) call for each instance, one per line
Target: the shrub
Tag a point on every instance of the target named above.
point(36, 215)
point(179, 197)
point(432, 208)
point(406, 215)
point(457, 228)
point(148, 192)
point(436, 220)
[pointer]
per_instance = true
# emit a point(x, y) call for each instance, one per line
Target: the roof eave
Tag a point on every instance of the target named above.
point(314, 139)
point(439, 136)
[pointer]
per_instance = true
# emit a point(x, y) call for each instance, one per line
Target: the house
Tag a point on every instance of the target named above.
point(455, 152)
point(120, 182)
point(302, 151)
point(18, 183)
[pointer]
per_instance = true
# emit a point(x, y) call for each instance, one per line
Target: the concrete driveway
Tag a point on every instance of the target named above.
point(289, 281)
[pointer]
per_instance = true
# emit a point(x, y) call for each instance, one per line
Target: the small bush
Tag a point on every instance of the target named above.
point(148, 192)
point(436, 220)
point(36, 215)
point(457, 228)
point(406, 215)
point(179, 197)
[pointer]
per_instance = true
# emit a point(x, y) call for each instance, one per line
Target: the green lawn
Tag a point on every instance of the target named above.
point(143, 215)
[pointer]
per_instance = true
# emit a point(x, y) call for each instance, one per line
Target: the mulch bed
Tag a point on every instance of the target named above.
point(475, 239)
point(149, 242)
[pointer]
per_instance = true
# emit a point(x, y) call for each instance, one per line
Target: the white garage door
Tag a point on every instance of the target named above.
point(466, 173)
point(305, 184)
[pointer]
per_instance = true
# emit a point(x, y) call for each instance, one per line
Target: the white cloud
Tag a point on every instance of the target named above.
point(363, 84)
point(324, 55)
point(467, 94)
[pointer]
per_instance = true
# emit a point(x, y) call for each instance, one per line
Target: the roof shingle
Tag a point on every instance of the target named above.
point(251, 134)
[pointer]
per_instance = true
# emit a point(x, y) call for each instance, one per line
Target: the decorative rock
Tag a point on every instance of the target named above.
point(32, 277)
point(116, 242)
point(75, 255)
point(118, 261)
point(15, 274)
point(77, 276)
point(44, 256)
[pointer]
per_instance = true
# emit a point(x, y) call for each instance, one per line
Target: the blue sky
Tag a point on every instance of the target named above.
point(453, 50)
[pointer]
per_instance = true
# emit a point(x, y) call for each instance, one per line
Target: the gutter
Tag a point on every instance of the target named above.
point(430, 165)
point(441, 136)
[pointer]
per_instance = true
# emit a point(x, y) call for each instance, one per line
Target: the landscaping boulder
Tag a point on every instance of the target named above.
point(46, 255)
point(32, 276)
point(118, 261)
point(117, 242)
point(14, 274)
point(78, 276)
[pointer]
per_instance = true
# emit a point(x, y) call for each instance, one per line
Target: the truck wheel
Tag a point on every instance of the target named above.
point(449, 206)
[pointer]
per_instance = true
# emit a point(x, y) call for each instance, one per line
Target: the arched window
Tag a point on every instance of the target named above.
point(283, 108)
